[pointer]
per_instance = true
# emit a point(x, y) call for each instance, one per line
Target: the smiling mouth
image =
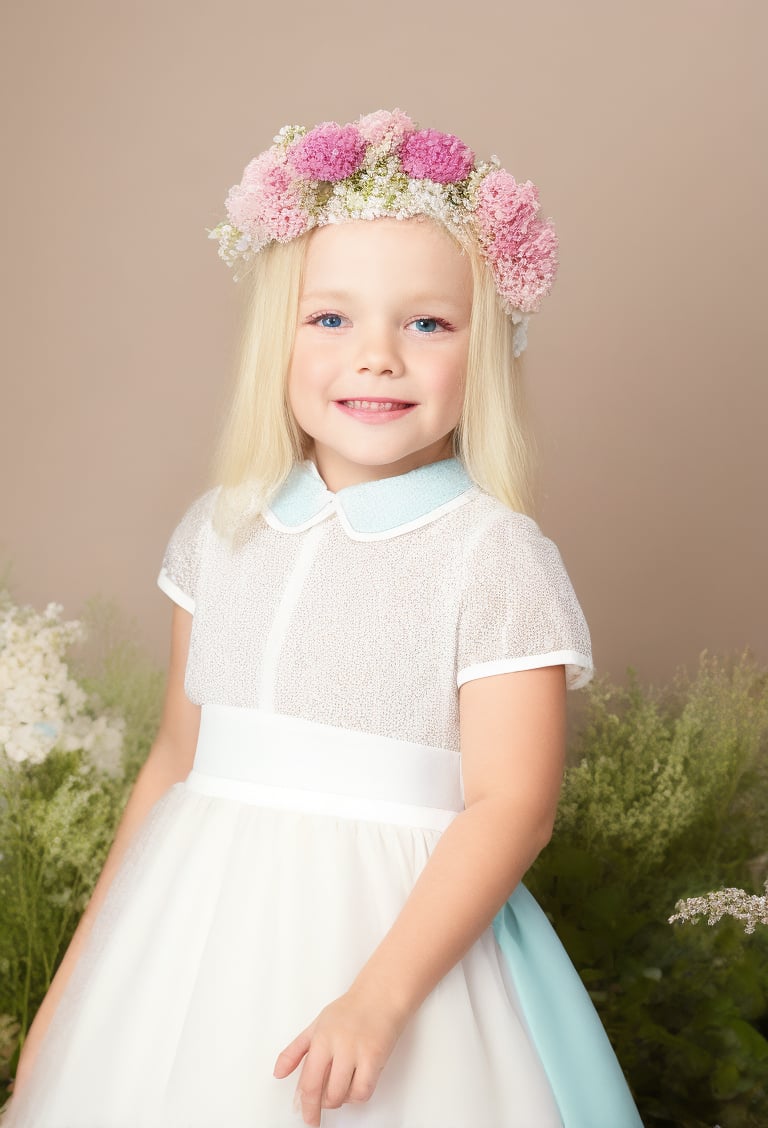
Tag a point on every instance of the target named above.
point(376, 404)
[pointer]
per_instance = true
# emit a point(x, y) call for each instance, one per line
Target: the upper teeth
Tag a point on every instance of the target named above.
point(372, 405)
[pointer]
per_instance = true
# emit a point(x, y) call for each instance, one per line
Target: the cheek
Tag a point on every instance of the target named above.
point(300, 376)
point(450, 380)
point(297, 388)
point(309, 387)
point(292, 383)
point(308, 369)
point(456, 403)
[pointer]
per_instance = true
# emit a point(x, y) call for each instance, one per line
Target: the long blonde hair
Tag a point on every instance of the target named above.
point(259, 440)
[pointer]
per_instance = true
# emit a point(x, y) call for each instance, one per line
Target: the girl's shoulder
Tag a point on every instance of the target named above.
point(518, 606)
point(499, 530)
point(197, 514)
point(201, 508)
point(181, 559)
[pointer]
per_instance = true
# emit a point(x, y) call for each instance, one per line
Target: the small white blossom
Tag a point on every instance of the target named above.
point(737, 903)
point(41, 705)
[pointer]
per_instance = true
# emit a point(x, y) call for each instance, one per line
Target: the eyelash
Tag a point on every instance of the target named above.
point(439, 320)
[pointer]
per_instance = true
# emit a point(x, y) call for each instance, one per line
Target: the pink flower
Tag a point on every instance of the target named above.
point(388, 126)
point(328, 152)
point(521, 249)
point(427, 154)
point(505, 209)
point(526, 277)
point(266, 204)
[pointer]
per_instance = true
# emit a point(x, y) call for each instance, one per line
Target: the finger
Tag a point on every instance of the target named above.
point(362, 1085)
point(311, 1084)
point(338, 1082)
point(289, 1058)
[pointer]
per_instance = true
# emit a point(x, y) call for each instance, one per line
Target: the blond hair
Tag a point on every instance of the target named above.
point(260, 441)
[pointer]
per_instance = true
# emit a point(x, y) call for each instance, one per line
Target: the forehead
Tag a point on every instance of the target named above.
point(386, 253)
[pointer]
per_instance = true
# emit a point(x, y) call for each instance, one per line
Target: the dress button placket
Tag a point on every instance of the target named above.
point(294, 586)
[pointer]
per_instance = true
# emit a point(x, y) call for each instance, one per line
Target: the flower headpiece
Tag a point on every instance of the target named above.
point(383, 165)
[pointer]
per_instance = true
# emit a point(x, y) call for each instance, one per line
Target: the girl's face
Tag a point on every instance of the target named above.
point(383, 315)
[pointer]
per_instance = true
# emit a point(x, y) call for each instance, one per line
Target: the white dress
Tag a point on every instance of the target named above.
point(326, 653)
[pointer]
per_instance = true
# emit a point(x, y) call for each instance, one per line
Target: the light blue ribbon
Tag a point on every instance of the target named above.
point(585, 1076)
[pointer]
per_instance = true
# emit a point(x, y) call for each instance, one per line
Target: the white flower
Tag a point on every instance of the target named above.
point(737, 903)
point(41, 705)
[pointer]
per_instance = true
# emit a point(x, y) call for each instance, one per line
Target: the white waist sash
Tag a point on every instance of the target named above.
point(274, 760)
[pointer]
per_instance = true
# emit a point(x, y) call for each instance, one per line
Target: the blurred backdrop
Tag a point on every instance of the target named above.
point(125, 122)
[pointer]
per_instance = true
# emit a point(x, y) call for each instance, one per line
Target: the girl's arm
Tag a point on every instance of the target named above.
point(169, 760)
point(512, 730)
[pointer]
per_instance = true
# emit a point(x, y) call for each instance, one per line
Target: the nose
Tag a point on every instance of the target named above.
point(378, 352)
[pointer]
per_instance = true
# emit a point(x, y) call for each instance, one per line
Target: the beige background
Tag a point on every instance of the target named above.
point(124, 124)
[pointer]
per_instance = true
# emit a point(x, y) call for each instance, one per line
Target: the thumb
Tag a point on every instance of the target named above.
point(289, 1058)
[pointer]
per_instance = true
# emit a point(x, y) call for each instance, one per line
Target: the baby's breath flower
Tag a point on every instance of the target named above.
point(737, 903)
point(41, 705)
point(383, 165)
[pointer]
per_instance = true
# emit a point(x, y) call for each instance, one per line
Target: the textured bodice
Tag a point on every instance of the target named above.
point(370, 607)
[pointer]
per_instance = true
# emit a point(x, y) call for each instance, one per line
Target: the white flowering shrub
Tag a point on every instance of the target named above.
point(71, 744)
point(41, 705)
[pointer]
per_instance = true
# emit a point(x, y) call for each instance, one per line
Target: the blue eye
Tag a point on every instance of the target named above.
point(426, 324)
point(330, 317)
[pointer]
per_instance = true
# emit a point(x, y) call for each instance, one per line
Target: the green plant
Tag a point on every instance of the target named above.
point(653, 809)
point(73, 734)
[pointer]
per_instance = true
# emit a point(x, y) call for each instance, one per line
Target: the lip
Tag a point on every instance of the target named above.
point(376, 399)
point(374, 417)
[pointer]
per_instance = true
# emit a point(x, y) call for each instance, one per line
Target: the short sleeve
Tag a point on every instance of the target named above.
point(181, 560)
point(519, 610)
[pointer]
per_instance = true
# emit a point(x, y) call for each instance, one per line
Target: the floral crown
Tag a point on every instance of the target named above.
point(383, 165)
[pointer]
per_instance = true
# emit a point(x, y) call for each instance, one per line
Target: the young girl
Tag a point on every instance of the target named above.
point(312, 910)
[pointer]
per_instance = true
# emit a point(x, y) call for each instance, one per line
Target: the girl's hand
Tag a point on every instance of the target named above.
point(346, 1049)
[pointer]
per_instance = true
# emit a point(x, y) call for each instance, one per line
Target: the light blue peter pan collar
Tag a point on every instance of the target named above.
point(371, 510)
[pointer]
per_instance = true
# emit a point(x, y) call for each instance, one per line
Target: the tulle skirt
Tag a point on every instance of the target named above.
point(250, 898)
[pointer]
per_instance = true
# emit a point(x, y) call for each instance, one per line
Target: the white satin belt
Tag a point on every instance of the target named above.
point(274, 760)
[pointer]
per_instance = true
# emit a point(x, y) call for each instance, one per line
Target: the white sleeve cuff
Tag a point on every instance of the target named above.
point(166, 584)
point(578, 667)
